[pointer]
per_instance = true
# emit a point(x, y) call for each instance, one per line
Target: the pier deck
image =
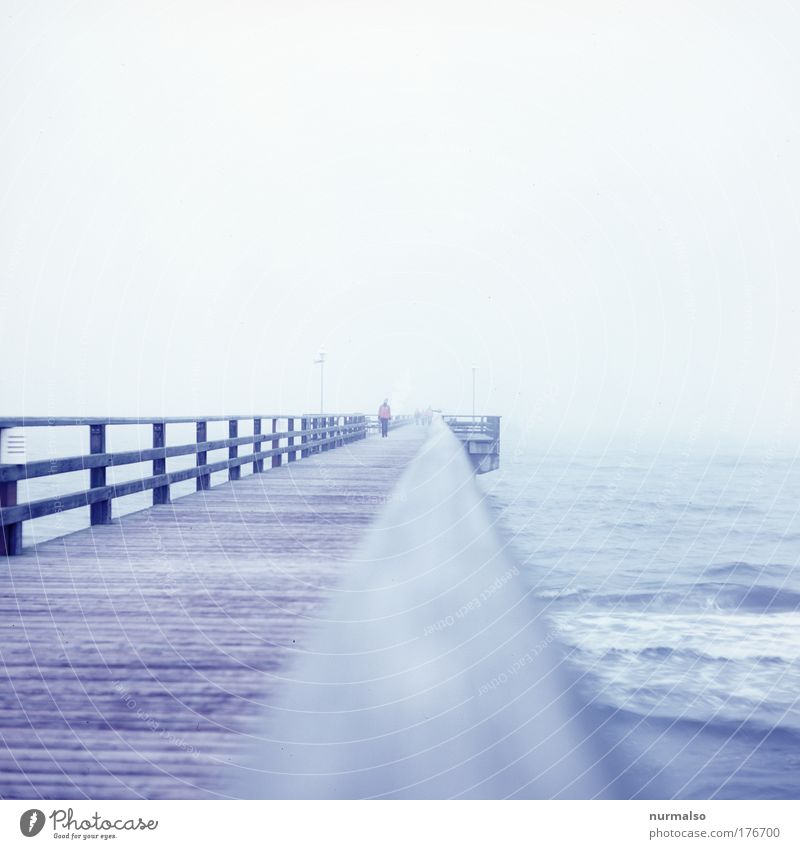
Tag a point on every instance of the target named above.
point(134, 653)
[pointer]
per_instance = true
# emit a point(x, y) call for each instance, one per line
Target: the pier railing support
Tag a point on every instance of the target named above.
point(160, 493)
point(234, 472)
point(258, 465)
point(99, 511)
point(291, 456)
point(11, 537)
point(203, 480)
point(11, 534)
point(276, 458)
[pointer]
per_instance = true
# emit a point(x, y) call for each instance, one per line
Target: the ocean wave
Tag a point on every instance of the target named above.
point(755, 729)
point(705, 596)
point(726, 695)
point(687, 639)
point(755, 571)
point(671, 653)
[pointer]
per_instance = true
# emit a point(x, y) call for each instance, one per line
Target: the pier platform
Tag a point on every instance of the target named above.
point(135, 653)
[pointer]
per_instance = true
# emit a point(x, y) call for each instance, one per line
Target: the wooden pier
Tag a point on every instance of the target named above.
point(135, 652)
point(480, 436)
point(345, 624)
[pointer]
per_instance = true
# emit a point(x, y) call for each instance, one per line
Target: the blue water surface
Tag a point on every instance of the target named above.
point(673, 578)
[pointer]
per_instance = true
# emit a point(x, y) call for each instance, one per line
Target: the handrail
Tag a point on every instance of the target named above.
point(79, 463)
point(322, 432)
point(489, 425)
point(464, 416)
point(77, 421)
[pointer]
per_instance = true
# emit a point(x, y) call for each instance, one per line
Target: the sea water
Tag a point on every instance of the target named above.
point(672, 577)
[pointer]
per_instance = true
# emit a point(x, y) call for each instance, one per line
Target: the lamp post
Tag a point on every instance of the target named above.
point(321, 362)
point(474, 370)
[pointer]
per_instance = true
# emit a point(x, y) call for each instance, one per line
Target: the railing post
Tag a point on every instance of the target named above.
point(303, 438)
point(291, 456)
point(10, 535)
point(203, 481)
point(234, 472)
point(314, 436)
point(100, 511)
point(160, 493)
point(258, 465)
point(276, 443)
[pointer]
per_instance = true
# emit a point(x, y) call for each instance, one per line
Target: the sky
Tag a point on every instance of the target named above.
point(593, 203)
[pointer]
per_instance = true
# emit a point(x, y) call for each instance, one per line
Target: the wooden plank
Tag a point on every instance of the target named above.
point(134, 655)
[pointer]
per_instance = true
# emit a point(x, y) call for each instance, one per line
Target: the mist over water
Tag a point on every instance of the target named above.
point(595, 205)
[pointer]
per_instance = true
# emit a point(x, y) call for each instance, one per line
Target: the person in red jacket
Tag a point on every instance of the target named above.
point(384, 414)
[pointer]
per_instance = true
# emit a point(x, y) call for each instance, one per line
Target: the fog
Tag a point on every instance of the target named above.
point(593, 203)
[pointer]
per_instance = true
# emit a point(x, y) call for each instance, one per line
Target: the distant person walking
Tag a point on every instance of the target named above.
point(384, 414)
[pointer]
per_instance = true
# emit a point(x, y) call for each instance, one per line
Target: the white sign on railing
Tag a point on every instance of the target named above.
point(12, 445)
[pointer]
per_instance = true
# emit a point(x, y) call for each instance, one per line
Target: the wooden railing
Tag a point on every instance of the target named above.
point(302, 436)
point(465, 426)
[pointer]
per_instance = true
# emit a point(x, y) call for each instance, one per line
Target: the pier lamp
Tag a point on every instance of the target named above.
point(321, 361)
